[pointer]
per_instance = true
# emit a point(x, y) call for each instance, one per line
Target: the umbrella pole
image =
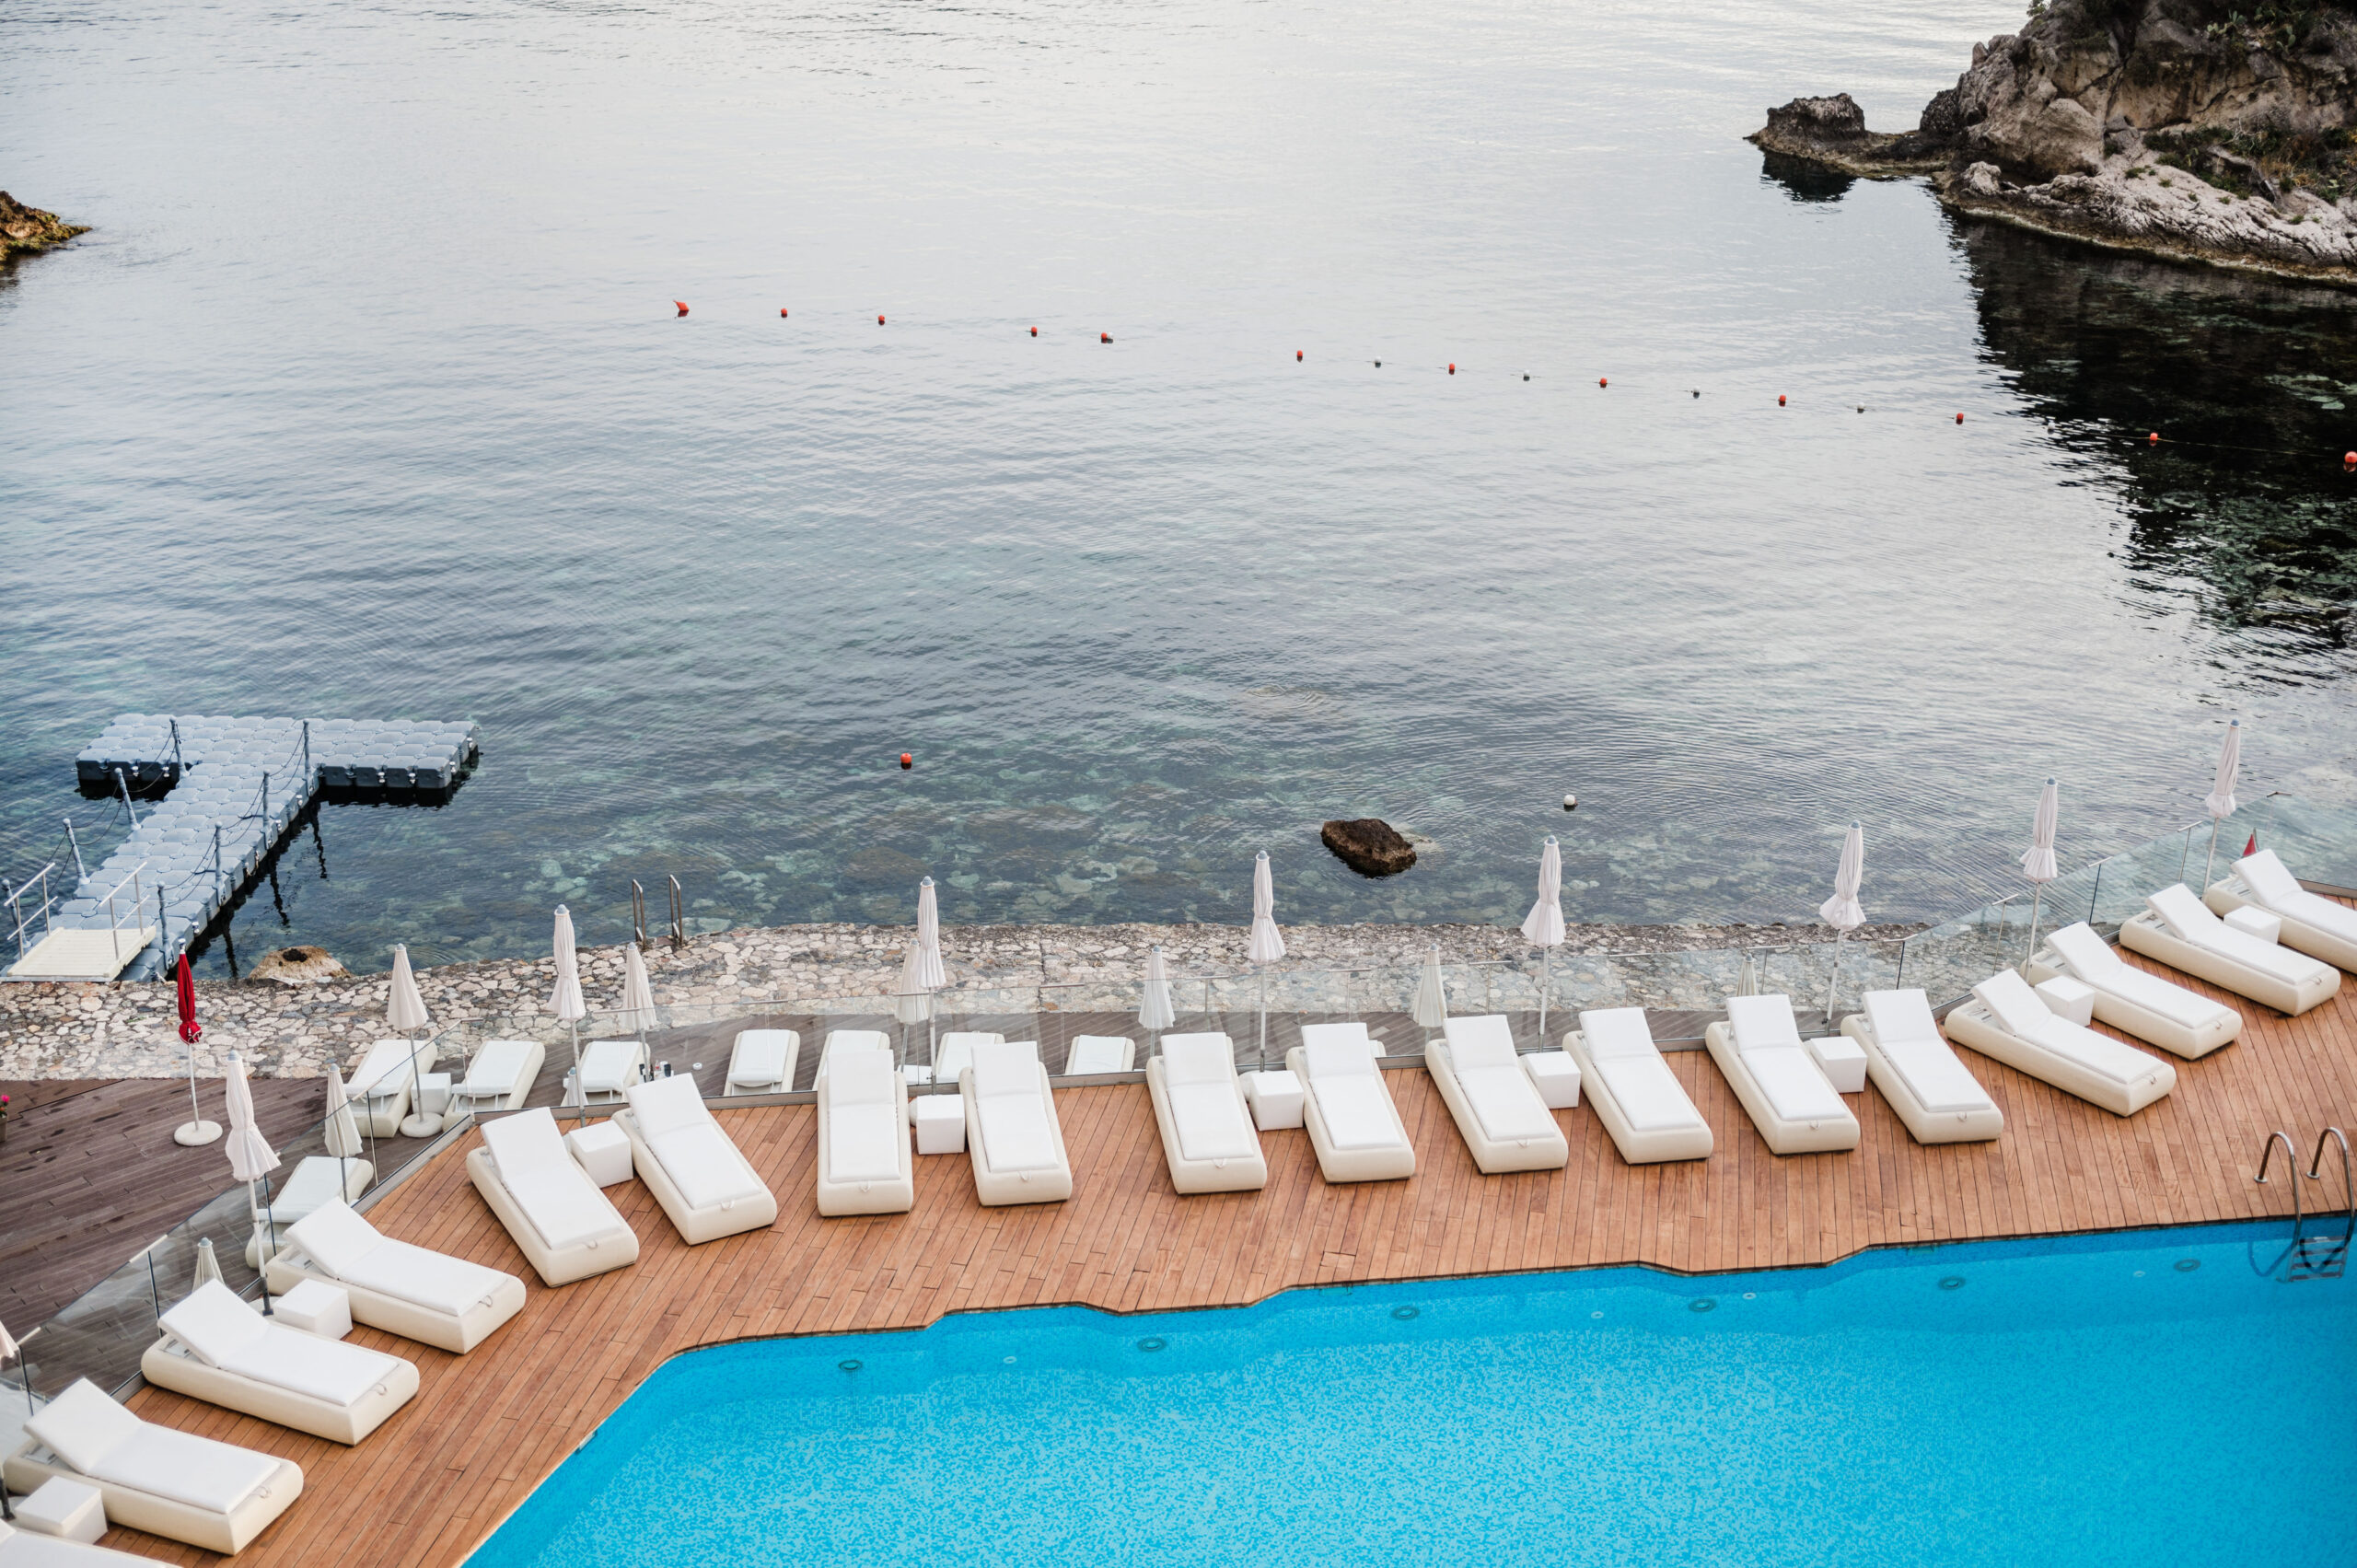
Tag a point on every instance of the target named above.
point(2032, 947)
point(1833, 983)
point(2211, 860)
point(265, 1246)
point(1264, 1018)
point(1546, 968)
point(580, 1095)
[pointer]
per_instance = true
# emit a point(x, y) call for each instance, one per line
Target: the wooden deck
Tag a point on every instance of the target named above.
point(484, 1431)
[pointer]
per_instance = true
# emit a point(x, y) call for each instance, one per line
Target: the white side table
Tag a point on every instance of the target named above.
point(2067, 998)
point(1556, 1076)
point(2252, 921)
point(315, 1308)
point(1844, 1060)
point(66, 1509)
point(941, 1123)
point(603, 1150)
point(1275, 1098)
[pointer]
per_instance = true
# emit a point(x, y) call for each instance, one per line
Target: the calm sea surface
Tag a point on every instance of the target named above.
point(366, 397)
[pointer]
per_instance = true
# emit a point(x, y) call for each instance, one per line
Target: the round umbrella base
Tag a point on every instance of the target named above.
point(421, 1126)
point(195, 1134)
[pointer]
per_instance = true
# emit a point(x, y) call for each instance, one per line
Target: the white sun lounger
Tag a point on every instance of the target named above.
point(845, 1041)
point(315, 1181)
point(380, 1087)
point(865, 1165)
point(1935, 1095)
point(156, 1479)
point(429, 1296)
point(23, 1548)
point(1637, 1098)
point(2312, 923)
point(2180, 929)
point(2010, 1022)
point(1353, 1124)
point(1013, 1137)
point(691, 1165)
point(499, 1077)
point(609, 1066)
point(218, 1349)
point(763, 1062)
point(1776, 1080)
point(566, 1228)
point(952, 1054)
point(1207, 1132)
point(1498, 1109)
point(2145, 1005)
point(1099, 1053)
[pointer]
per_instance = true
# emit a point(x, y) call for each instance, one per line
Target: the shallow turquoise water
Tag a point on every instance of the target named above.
point(2144, 1397)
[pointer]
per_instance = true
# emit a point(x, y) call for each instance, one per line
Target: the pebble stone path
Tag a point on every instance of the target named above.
point(129, 1029)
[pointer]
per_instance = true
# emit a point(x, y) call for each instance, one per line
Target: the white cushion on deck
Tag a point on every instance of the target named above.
point(1793, 1084)
point(1009, 1106)
point(2191, 921)
point(1616, 1031)
point(1648, 1093)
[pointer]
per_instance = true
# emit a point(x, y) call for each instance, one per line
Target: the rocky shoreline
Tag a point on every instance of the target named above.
point(28, 229)
point(2180, 128)
point(129, 1030)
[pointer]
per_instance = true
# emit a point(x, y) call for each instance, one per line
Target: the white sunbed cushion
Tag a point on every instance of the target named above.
point(1211, 1121)
point(1015, 1136)
point(526, 1140)
point(1764, 1023)
point(2191, 921)
point(2171, 1001)
point(1504, 1101)
point(859, 1142)
point(336, 1237)
point(2269, 878)
point(1649, 1095)
point(199, 1471)
point(1356, 1108)
point(564, 1205)
point(1198, 1059)
point(668, 1104)
point(2019, 1009)
point(496, 1067)
point(1897, 1016)
point(2089, 956)
point(1479, 1041)
point(1100, 1054)
point(214, 1324)
point(759, 1055)
point(706, 1165)
point(2016, 1006)
point(318, 1181)
point(1932, 1072)
point(1617, 1031)
point(328, 1370)
point(1315, 1035)
point(22, 1549)
point(608, 1066)
point(1795, 1086)
point(432, 1279)
point(385, 1071)
point(82, 1426)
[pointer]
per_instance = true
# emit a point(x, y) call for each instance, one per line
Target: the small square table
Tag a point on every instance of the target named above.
point(315, 1308)
point(1844, 1060)
point(941, 1123)
point(1556, 1076)
point(2252, 921)
point(603, 1150)
point(2067, 998)
point(1275, 1098)
point(66, 1509)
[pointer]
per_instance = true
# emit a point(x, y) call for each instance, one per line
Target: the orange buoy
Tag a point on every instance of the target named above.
point(1296, 356)
point(781, 312)
point(907, 760)
point(2153, 439)
point(2349, 457)
point(1035, 332)
point(1452, 369)
point(1959, 419)
point(879, 321)
point(1602, 382)
point(1780, 399)
point(682, 304)
point(1104, 337)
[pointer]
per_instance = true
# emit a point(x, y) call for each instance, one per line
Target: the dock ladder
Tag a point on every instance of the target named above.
point(2322, 1256)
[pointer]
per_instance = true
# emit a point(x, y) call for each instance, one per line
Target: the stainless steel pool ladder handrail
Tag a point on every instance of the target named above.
point(2292, 1158)
point(2316, 1166)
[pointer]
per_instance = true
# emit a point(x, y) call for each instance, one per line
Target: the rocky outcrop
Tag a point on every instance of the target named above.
point(30, 228)
point(298, 966)
point(2186, 128)
point(1369, 845)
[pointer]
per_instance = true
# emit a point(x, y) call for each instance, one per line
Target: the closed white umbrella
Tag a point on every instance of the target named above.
point(922, 971)
point(1156, 1010)
point(9, 1352)
point(1266, 945)
point(208, 1263)
point(570, 1009)
point(1430, 1009)
point(405, 1010)
point(1747, 977)
point(1842, 911)
point(251, 1159)
point(2037, 860)
point(638, 997)
point(342, 1132)
point(2219, 802)
point(1543, 926)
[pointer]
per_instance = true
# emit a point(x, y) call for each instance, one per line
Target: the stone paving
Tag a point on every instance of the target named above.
point(129, 1030)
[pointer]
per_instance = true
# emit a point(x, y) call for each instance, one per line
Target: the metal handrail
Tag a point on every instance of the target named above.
point(2315, 1166)
point(2293, 1156)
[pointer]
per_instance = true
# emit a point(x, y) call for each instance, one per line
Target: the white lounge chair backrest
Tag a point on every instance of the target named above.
point(1352, 1033)
point(666, 1105)
point(214, 1324)
point(385, 1071)
point(1900, 1016)
point(862, 1078)
point(526, 1141)
point(82, 1426)
point(2185, 914)
point(2269, 878)
point(1198, 1059)
point(759, 1056)
point(2019, 1008)
point(955, 1053)
point(336, 1236)
point(1764, 1023)
point(1010, 1107)
point(2089, 956)
point(1484, 1040)
point(1616, 1031)
point(1339, 1058)
point(1006, 1067)
point(1100, 1054)
point(497, 1065)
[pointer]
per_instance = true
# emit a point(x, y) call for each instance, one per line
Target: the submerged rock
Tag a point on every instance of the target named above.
point(30, 228)
point(298, 966)
point(1369, 845)
point(2187, 128)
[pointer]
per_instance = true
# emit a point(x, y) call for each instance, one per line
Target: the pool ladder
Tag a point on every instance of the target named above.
point(2313, 1257)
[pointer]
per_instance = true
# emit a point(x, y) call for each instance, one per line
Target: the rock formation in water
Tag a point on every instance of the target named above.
point(2186, 128)
point(30, 228)
point(298, 966)
point(1369, 845)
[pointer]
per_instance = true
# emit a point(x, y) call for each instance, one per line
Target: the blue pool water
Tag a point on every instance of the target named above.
point(2139, 1397)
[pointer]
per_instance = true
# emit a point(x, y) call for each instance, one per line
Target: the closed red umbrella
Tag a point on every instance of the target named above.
point(189, 1028)
point(196, 1130)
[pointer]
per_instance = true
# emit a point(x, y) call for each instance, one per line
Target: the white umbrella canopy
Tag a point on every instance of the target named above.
point(1268, 944)
point(932, 975)
point(342, 1130)
point(2037, 860)
point(1842, 911)
point(208, 1264)
point(566, 999)
point(1156, 1010)
point(404, 1008)
point(638, 997)
point(2219, 802)
point(911, 1000)
point(1430, 1009)
point(250, 1155)
point(1543, 926)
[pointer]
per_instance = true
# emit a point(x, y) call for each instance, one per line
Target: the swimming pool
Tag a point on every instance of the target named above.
point(2150, 1396)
